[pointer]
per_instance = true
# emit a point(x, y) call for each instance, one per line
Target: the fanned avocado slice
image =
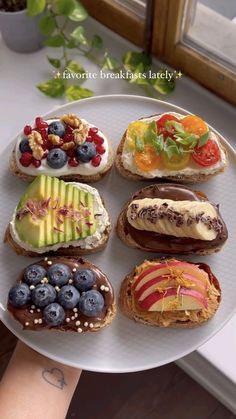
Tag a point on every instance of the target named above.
point(52, 211)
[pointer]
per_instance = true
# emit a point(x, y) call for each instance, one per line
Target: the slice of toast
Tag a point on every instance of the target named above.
point(73, 122)
point(67, 178)
point(180, 178)
point(56, 209)
point(168, 319)
point(125, 236)
point(75, 321)
point(62, 251)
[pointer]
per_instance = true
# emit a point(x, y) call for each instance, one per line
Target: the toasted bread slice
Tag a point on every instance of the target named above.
point(199, 247)
point(66, 246)
point(180, 177)
point(62, 251)
point(30, 172)
point(67, 178)
point(74, 321)
point(175, 319)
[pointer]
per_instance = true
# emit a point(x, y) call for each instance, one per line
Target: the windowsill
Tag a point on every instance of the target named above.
point(19, 76)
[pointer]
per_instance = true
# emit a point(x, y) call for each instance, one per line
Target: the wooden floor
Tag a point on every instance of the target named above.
point(162, 393)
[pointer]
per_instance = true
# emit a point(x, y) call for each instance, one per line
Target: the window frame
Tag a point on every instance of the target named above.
point(123, 21)
point(167, 45)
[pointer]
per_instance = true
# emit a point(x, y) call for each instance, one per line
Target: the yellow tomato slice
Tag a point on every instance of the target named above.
point(147, 160)
point(194, 125)
point(135, 129)
point(176, 162)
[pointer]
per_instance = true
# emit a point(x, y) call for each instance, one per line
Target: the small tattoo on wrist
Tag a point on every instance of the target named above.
point(54, 377)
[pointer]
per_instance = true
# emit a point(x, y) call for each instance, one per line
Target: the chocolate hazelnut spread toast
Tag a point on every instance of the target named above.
point(67, 147)
point(65, 294)
point(170, 293)
point(172, 218)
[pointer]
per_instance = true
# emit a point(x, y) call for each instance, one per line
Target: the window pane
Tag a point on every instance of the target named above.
point(138, 7)
point(210, 27)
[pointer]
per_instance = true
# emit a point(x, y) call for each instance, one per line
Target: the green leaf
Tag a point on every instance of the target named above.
point(75, 67)
point(79, 13)
point(139, 144)
point(203, 139)
point(109, 63)
point(47, 25)
point(79, 35)
point(171, 148)
point(55, 41)
point(163, 86)
point(71, 44)
point(77, 92)
point(65, 7)
point(170, 142)
point(158, 143)
point(52, 87)
point(139, 77)
point(54, 62)
point(131, 60)
point(176, 125)
point(96, 42)
point(151, 133)
point(35, 7)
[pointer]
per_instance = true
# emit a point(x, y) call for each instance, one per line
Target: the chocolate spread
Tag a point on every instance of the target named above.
point(161, 243)
point(23, 315)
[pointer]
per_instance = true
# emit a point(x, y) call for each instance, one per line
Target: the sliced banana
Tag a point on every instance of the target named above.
point(191, 219)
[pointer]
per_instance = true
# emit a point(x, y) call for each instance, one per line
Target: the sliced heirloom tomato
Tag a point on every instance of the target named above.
point(194, 125)
point(176, 162)
point(208, 154)
point(135, 129)
point(161, 128)
point(147, 159)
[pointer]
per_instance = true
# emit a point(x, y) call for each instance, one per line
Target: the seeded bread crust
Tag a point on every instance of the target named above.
point(107, 320)
point(150, 318)
point(68, 178)
point(62, 251)
point(196, 178)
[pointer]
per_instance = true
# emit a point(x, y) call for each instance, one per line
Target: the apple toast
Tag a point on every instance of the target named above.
point(170, 293)
point(170, 146)
point(57, 217)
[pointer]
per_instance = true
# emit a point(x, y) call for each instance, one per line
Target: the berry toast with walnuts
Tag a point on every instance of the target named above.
point(65, 294)
point(172, 147)
point(172, 219)
point(67, 147)
point(62, 218)
point(170, 293)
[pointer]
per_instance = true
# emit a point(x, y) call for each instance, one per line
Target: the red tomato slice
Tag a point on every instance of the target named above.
point(207, 155)
point(161, 124)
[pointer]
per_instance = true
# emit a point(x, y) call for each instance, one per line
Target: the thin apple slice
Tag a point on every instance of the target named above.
point(151, 286)
point(170, 300)
point(163, 282)
point(164, 269)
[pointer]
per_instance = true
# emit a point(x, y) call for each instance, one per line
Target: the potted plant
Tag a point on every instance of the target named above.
point(20, 31)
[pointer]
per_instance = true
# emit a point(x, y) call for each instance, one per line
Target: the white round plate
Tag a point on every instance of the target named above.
point(124, 346)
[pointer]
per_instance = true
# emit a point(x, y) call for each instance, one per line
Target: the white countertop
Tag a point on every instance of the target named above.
point(21, 102)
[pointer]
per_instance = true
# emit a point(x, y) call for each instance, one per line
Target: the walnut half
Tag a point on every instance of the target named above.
point(72, 120)
point(35, 141)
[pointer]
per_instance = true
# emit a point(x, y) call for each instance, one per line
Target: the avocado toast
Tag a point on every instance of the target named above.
point(63, 218)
